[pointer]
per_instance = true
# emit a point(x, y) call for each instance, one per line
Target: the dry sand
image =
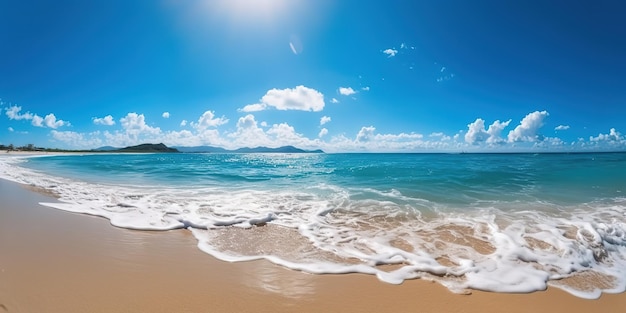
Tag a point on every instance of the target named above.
point(54, 261)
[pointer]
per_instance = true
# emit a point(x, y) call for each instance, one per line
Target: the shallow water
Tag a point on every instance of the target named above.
point(497, 222)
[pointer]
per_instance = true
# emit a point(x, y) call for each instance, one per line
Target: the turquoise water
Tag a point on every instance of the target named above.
point(451, 179)
point(498, 222)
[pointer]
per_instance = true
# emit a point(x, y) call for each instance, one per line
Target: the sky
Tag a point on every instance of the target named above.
point(341, 76)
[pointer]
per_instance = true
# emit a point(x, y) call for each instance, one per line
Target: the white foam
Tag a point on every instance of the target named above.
point(487, 248)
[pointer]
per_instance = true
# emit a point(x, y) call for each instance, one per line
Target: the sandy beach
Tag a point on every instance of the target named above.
point(54, 261)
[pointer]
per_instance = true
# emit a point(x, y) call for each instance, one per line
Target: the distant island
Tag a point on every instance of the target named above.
point(148, 147)
point(211, 149)
point(161, 148)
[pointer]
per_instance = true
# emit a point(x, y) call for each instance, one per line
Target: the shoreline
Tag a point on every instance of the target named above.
point(56, 261)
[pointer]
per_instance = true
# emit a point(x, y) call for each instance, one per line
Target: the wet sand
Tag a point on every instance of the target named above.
point(54, 261)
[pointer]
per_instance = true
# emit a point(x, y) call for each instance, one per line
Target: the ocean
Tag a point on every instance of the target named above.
point(494, 222)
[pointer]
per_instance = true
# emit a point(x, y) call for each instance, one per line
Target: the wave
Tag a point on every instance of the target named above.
point(500, 246)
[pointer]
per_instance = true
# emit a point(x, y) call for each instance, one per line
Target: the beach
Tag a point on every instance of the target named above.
point(55, 261)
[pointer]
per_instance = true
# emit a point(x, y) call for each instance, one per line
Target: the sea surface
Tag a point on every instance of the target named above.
point(494, 222)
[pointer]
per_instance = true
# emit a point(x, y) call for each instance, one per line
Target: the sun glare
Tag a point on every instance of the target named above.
point(251, 11)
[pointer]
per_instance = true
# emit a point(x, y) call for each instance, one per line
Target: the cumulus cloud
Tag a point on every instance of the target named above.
point(612, 136)
point(37, 121)
point(107, 120)
point(334, 100)
point(529, 127)
point(367, 139)
point(390, 52)
point(346, 91)
point(135, 124)
point(208, 119)
point(300, 98)
point(284, 132)
point(13, 113)
point(366, 88)
point(494, 131)
point(183, 123)
point(365, 134)
point(78, 140)
point(248, 131)
point(323, 132)
point(324, 120)
point(476, 132)
point(51, 121)
point(166, 115)
point(249, 134)
point(562, 127)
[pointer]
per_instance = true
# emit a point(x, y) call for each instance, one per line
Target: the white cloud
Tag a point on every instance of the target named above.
point(529, 127)
point(166, 115)
point(254, 107)
point(299, 98)
point(208, 119)
point(562, 127)
point(283, 132)
point(107, 120)
point(365, 134)
point(443, 68)
point(264, 124)
point(135, 125)
point(323, 132)
point(11, 129)
point(247, 122)
point(13, 113)
point(37, 121)
point(612, 136)
point(390, 52)
point(51, 121)
point(346, 91)
point(367, 139)
point(476, 132)
point(248, 133)
point(366, 88)
point(440, 135)
point(324, 120)
point(183, 123)
point(334, 100)
point(78, 140)
point(494, 131)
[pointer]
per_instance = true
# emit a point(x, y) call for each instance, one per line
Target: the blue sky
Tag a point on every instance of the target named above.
point(337, 75)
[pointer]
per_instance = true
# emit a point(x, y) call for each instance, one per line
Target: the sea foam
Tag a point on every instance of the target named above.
point(330, 229)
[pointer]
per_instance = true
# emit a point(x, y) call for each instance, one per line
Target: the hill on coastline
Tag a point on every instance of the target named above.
point(210, 149)
point(147, 147)
point(106, 148)
point(161, 148)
